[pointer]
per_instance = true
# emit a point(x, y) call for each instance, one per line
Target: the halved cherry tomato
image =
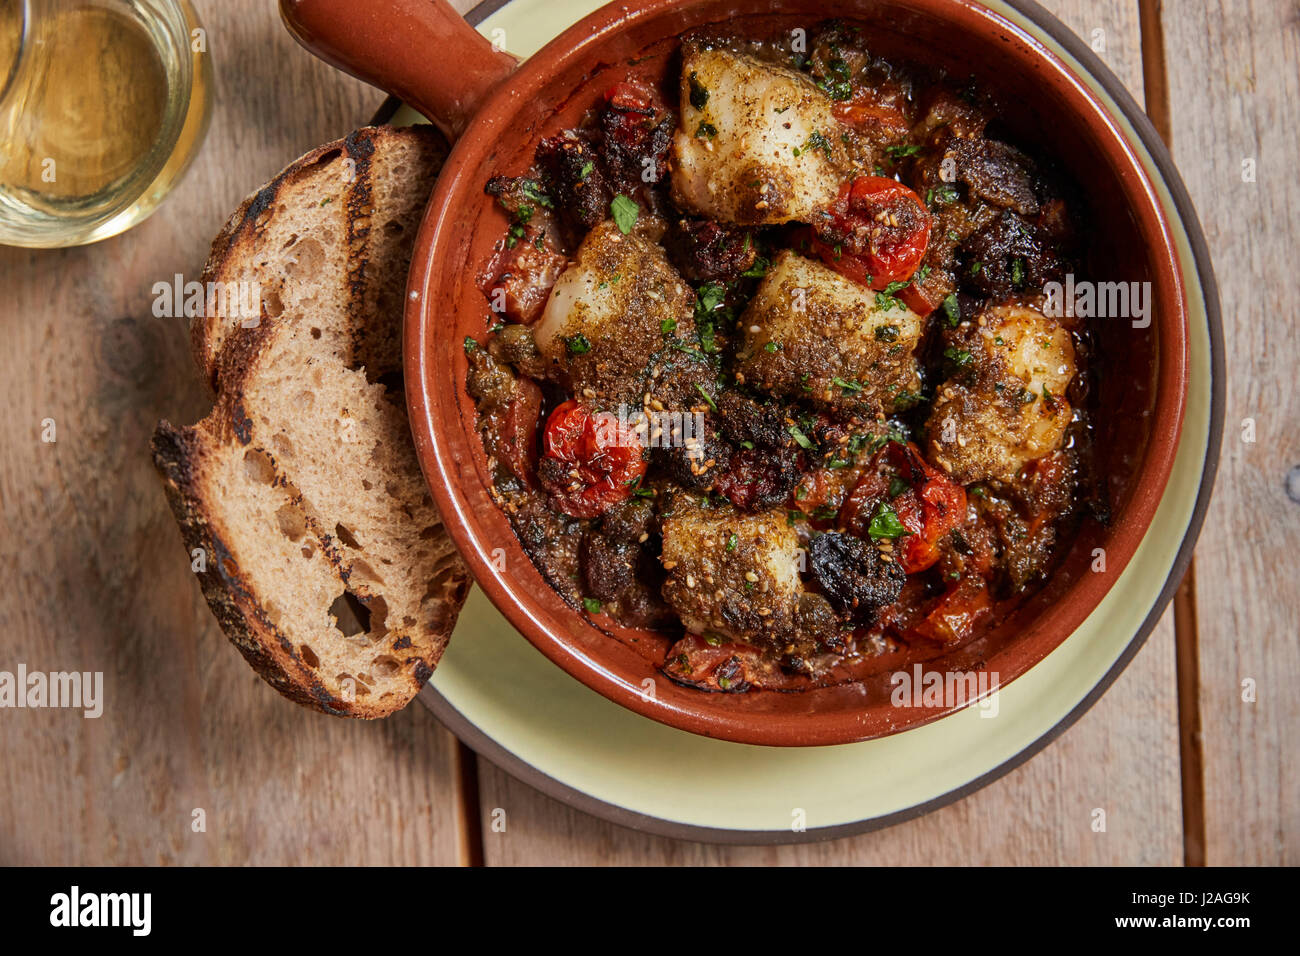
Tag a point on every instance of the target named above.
point(589, 463)
point(930, 507)
point(878, 233)
point(952, 617)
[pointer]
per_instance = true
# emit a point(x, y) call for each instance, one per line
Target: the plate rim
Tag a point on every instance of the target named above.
point(483, 745)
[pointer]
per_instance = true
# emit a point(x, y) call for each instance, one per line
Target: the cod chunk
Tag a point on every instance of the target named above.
point(811, 333)
point(757, 143)
point(1005, 405)
point(730, 573)
point(607, 315)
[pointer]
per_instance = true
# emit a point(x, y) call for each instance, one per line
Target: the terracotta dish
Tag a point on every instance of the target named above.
point(426, 54)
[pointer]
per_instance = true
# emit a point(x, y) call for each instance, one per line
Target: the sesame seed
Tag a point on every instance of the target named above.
point(669, 565)
point(645, 536)
point(751, 577)
point(690, 580)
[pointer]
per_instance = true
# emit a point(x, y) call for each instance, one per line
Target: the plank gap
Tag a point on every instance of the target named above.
point(1188, 662)
point(1155, 78)
point(471, 816)
point(1155, 83)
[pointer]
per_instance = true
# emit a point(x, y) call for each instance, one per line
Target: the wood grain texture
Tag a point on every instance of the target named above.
point(1122, 756)
point(1233, 90)
point(96, 575)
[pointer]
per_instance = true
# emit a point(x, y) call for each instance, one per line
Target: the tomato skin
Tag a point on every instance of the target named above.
point(863, 114)
point(918, 301)
point(873, 253)
point(515, 444)
point(929, 508)
point(952, 617)
point(630, 96)
point(608, 464)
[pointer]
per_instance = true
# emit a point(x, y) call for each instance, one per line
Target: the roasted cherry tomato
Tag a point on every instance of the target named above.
point(589, 463)
point(878, 232)
point(929, 504)
point(952, 616)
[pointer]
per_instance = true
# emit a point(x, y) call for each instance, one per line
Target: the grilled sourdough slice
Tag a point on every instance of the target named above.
point(299, 497)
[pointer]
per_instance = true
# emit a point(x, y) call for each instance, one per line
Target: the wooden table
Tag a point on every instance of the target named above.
point(1186, 770)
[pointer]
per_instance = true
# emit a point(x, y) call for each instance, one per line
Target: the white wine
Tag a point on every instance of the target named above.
point(104, 106)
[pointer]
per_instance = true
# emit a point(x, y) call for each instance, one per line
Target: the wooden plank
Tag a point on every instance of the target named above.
point(1233, 89)
point(1122, 756)
point(96, 575)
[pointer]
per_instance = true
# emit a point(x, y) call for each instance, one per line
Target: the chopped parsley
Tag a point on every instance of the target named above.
point(707, 397)
point(816, 140)
point(533, 190)
point(577, 344)
point(885, 524)
point(668, 326)
point(624, 211)
point(797, 434)
point(592, 605)
point(847, 386)
point(699, 96)
point(587, 167)
point(470, 345)
point(758, 269)
point(706, 131)
point(897, 486)
point(952, 310)
point(772, 347)
point(887, 333)
point(958, 357)
point(731, 543)
point(836, 83)
point(898, 152)
point(886, 300)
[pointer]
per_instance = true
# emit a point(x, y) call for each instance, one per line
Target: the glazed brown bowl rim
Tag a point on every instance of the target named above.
point(515, 599)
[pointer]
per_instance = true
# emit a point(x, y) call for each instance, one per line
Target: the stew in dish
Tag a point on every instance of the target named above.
point(771, 370)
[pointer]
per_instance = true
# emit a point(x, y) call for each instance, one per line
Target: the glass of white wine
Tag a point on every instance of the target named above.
point(103, 103)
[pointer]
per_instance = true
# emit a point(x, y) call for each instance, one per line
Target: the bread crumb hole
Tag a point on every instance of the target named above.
point(258, 466)
point(386, 666)
point(351, 617)
point(282, 444)
point(308, 656)
point(293, 524)
point(366, 484)
point(271, 302)
point(315, 333)
point(393, 228)
point(346, 536)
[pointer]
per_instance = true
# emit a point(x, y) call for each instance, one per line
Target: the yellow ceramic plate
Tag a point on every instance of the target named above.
point(504, 699)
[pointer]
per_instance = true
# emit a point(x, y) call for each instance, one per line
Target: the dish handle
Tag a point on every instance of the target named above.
point(421, 51)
